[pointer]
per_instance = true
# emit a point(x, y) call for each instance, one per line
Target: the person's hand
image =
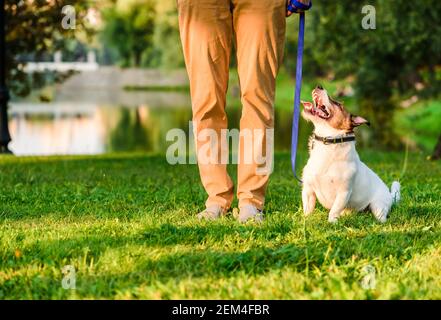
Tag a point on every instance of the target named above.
point(289, 13)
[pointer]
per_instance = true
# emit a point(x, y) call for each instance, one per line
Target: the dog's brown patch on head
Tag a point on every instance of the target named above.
point(340, 118)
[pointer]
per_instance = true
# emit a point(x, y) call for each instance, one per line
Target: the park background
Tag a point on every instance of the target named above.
point(89, 185)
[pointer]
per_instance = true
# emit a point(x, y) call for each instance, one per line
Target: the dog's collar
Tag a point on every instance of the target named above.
point(337, 139)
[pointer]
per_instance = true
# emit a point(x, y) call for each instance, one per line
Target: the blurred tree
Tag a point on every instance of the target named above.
point(166, 51)
point(34, 27)
point(129, 28)
point(153, 41)
point(403, 50)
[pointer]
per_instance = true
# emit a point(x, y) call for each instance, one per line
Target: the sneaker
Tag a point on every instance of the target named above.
point(249, 213)
point(211, 213)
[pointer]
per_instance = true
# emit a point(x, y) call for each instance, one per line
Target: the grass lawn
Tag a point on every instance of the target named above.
point(127, 223)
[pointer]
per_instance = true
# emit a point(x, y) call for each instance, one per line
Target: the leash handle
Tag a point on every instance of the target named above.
point(298, 90)
point(294, 6)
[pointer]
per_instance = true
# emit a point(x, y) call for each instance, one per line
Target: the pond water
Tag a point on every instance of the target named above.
point(140, 123)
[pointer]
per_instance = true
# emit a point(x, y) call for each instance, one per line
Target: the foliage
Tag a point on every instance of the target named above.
point(34, 28)
point(166, 51)
point(386, 61)
point(129, 29)
point(158, 43)
point(128, 224)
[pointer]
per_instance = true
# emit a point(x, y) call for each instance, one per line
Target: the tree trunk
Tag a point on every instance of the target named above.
point(137, 58)
point(437, 151)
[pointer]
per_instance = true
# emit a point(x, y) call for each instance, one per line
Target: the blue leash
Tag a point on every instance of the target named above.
point(298, 89)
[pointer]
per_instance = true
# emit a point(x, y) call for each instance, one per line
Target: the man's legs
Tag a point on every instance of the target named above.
point(206, 32)
point(259, 28)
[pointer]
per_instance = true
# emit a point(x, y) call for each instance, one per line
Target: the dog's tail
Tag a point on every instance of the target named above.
point(395, 192)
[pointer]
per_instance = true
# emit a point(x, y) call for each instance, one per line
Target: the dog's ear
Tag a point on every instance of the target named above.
point(358, 121)
point(307, 104)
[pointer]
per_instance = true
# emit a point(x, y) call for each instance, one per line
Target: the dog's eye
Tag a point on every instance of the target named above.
point(338, 104)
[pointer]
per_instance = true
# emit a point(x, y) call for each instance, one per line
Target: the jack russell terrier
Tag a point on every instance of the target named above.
point(334, 173)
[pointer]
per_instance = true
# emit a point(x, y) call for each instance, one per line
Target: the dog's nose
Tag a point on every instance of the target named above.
point(319, 86)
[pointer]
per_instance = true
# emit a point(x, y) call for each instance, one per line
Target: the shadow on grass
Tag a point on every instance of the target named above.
point(400, 245)
point(259, 259)
point(335, 248)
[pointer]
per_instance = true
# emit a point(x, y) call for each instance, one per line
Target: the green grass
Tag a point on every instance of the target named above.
point(127, 223)
point(421, 123)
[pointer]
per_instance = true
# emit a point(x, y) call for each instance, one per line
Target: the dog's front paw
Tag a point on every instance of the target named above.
point(307, 211)
point(332, 219)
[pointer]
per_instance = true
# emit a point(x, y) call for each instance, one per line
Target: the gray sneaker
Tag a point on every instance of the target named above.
point(250, 213)
point(211, 213)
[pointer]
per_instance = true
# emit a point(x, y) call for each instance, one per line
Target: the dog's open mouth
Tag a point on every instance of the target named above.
point(322, 111)
point(319, 110)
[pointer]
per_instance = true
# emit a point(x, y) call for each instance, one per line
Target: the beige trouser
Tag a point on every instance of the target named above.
point(207, 29)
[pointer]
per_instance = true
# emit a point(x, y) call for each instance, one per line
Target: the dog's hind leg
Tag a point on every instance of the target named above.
point(380, 208)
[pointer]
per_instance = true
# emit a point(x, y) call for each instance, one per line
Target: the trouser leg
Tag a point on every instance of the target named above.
point(259, 28)
point(206, 33)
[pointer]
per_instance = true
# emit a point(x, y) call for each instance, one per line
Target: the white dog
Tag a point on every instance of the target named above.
point(334, 173)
